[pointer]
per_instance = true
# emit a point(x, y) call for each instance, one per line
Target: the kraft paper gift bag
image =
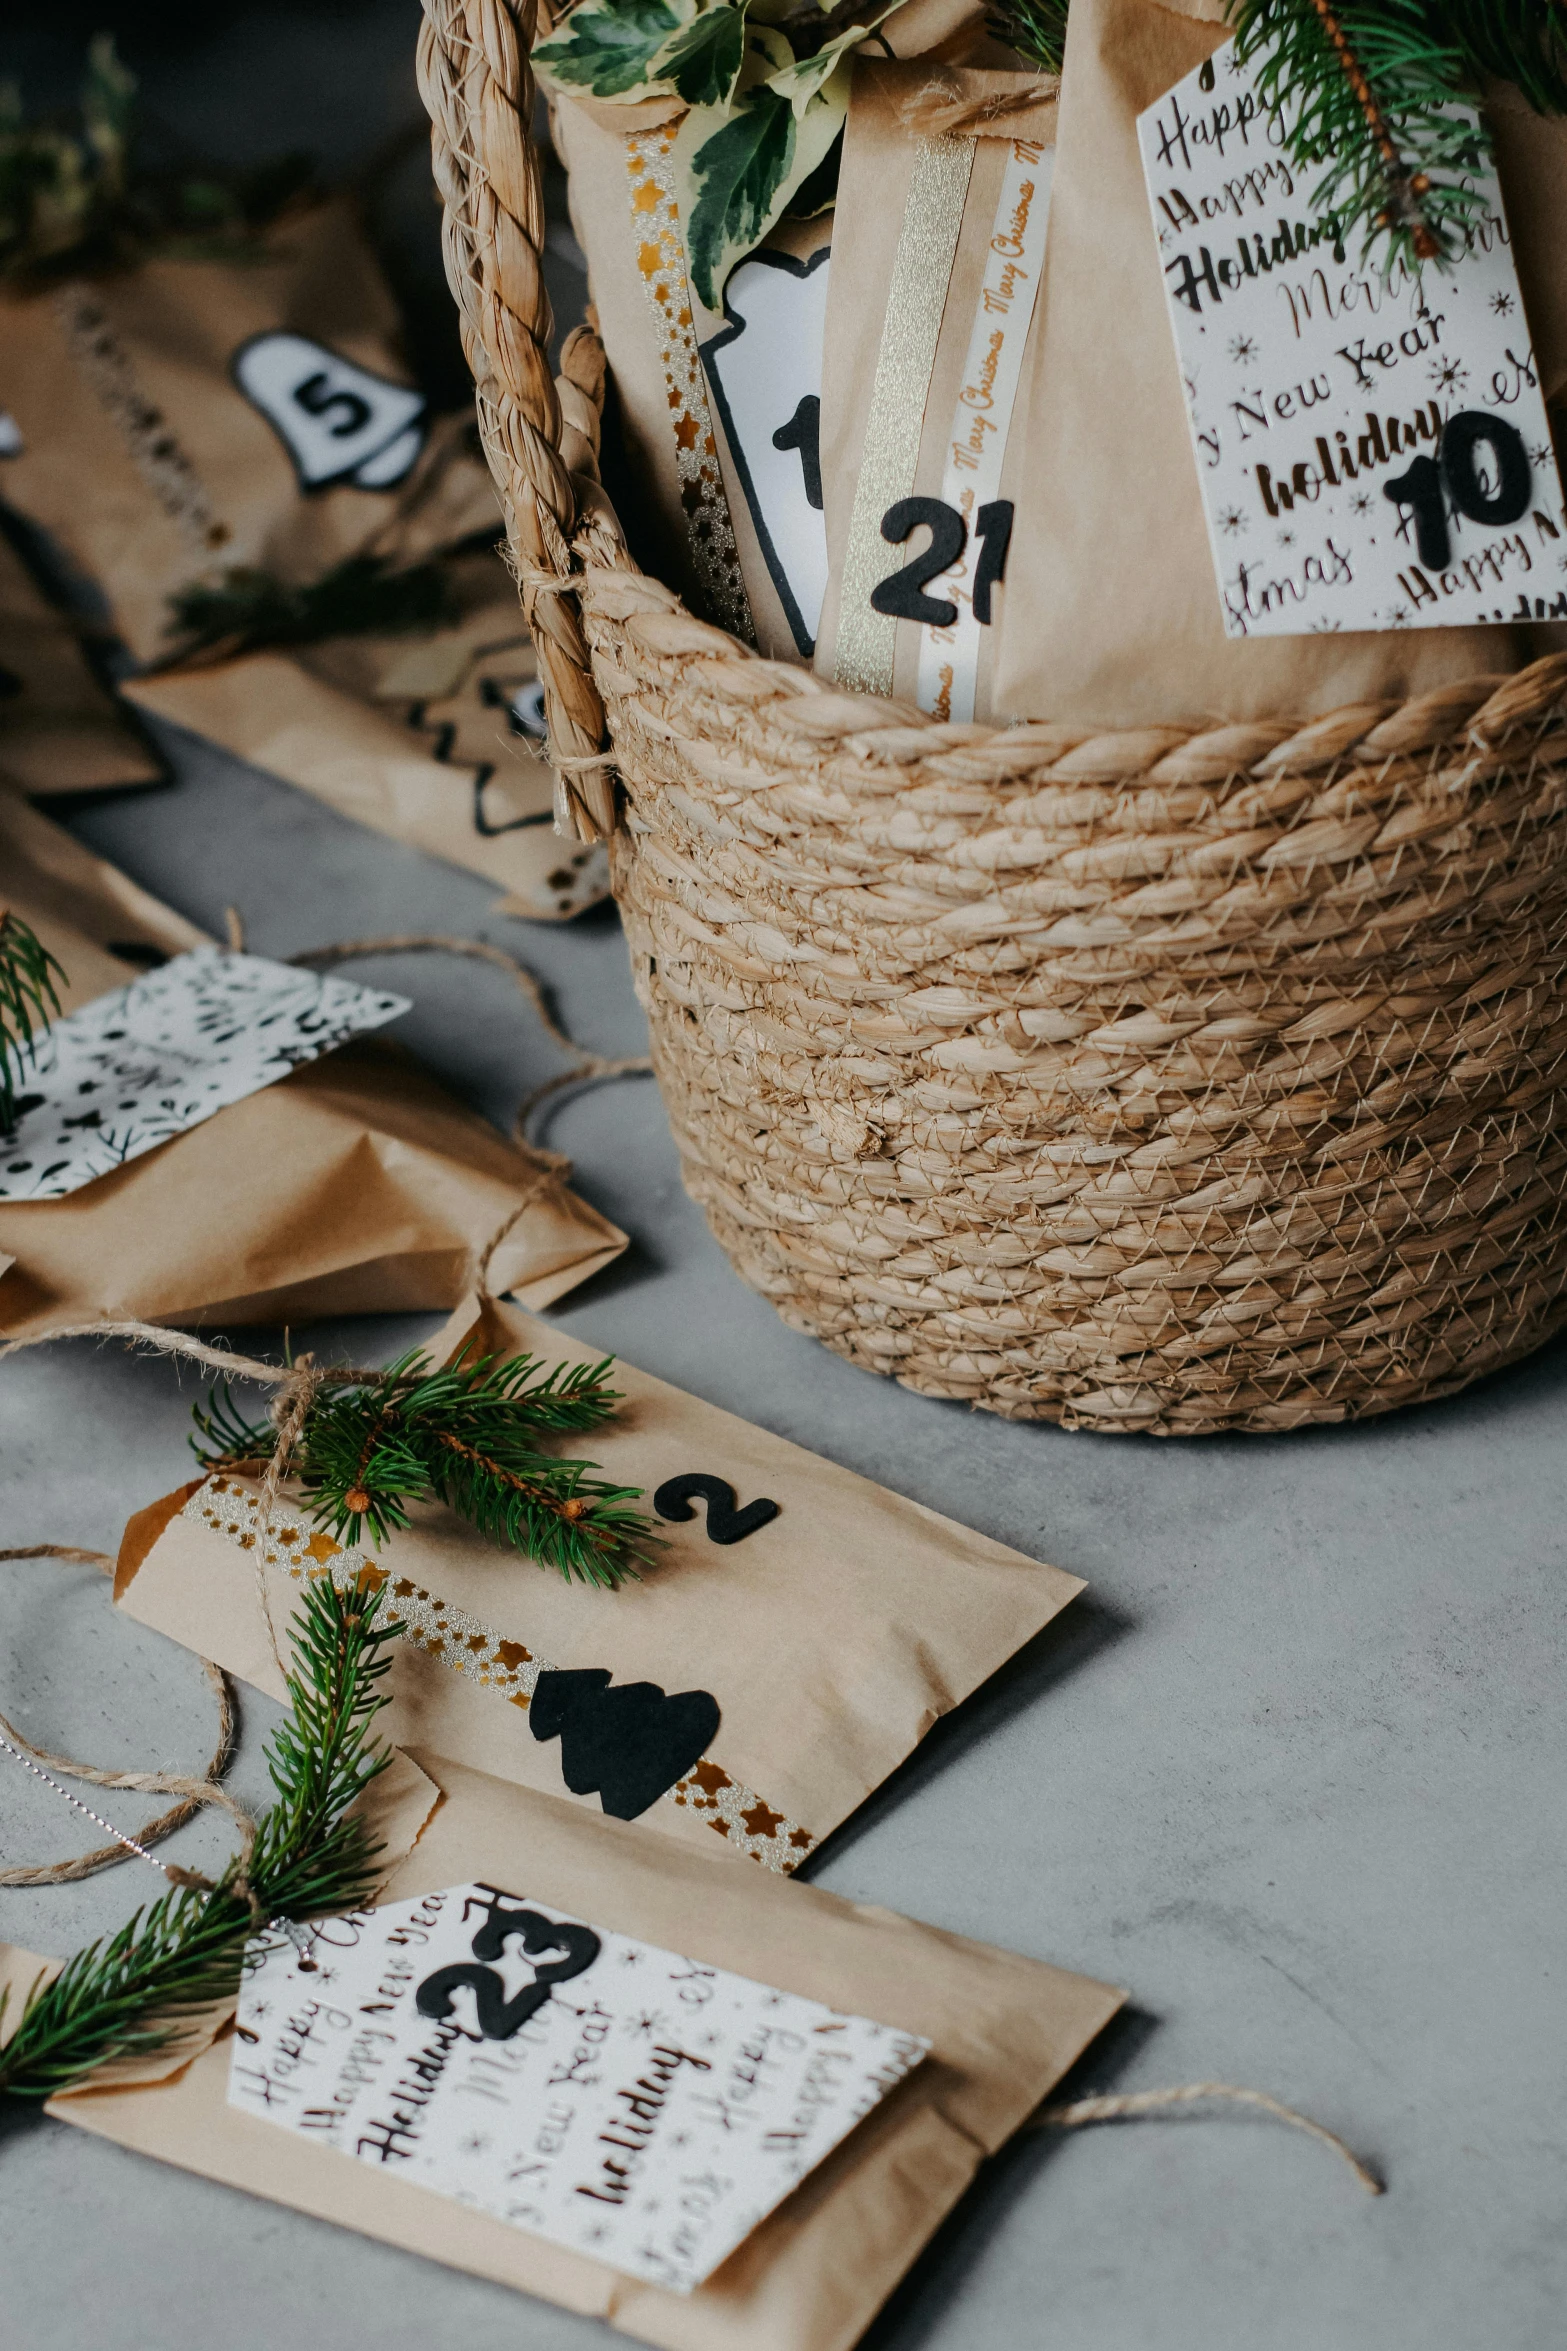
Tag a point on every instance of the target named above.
point(355, 1185)
point(931, 317)
point(432, 739)
point(189, 416)
point(1002, 2030)
point(61, 730)
point(1112, 616)
point(718, 413)
point(801, 1630)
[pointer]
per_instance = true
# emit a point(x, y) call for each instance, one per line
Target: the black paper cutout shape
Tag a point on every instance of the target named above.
point(804, 432)
point(902, 594)
point(993, 529)
point(725, 1523)
point(498, 2017)
point(631, 1744)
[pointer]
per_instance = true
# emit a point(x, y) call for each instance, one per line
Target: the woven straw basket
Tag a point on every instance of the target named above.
point(1159, 1080)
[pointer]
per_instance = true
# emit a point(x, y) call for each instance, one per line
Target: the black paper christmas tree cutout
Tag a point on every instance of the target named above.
point(629, 1745)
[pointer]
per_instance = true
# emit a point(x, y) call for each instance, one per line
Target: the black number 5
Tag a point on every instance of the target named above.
point(903, 596)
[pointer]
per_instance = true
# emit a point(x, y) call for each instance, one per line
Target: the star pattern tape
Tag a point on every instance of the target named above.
point(229, 1507)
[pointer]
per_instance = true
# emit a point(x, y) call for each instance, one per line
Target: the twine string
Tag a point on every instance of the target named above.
point(193, 1794)
point(1131, 2105)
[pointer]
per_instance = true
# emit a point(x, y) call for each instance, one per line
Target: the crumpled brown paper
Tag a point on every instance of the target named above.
point(416, 737)
point(831, 1638)
point(1111, 616)
point(61, 730)
point(149, 467)
point(354, 1186)
point(1004, 2029)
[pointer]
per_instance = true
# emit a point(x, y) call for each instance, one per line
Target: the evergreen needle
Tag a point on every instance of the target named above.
point(28, 1001)
point(474, 1435)
point(135, 1993)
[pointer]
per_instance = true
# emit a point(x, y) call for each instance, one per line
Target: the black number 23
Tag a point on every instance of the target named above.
point(903, 596)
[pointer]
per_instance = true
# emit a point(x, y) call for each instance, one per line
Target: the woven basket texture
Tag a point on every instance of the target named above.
point(1149, 1080)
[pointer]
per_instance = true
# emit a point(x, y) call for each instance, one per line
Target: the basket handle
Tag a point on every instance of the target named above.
point(477, 87)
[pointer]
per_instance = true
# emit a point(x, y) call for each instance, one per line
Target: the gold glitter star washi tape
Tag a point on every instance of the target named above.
point(231, 1509)
point(661, 262)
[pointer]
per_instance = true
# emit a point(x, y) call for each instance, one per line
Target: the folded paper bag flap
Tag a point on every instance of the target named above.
point(1003, 2030)
point(817, 1649)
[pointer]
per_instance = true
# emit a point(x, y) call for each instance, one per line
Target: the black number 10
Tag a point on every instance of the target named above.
point(1428, 484)
point(902, 595)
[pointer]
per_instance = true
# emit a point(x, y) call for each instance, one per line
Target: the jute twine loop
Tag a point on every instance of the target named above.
point(193, 1794)
point(1137, 2103)
point(586, 1068)
point(1170, 1078)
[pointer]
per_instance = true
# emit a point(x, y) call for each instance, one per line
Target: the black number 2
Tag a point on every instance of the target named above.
point(902, 596)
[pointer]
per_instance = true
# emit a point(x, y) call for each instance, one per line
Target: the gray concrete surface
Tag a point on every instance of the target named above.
point(1291, 1770)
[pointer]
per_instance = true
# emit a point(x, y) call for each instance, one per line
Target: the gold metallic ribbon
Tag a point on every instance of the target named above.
point(661, 262)
point(932, 218)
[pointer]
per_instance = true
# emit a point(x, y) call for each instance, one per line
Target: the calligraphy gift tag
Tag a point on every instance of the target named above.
point(612, 2097)
point(148, 1061)
point(1374, 451)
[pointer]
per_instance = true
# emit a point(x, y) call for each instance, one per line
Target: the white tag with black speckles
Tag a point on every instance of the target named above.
point(144, 1063)
point(609, 2096)
point(1373, 450)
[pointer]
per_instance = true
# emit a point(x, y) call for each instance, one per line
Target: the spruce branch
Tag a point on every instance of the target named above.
point(361, 596)
point(28, 1002)
point(1378, 97)
point(1036, 29)
point(133, 1994)
point(473, 1435)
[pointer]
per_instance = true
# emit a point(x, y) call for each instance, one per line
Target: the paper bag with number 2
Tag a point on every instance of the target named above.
point(800, 1632)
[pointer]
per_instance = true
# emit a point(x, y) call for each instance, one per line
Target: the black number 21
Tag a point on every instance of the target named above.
point(902, 596)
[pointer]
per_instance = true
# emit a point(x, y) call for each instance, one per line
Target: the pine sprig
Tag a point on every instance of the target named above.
point(472, 1435)
point(28, 1002)
point(132, 1995)
point(1036, 29)
point(1378, 97)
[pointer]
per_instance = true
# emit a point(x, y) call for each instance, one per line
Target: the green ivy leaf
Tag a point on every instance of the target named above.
point(613, 48)
point(703, 62)
point(735, 178)
point(800, 80)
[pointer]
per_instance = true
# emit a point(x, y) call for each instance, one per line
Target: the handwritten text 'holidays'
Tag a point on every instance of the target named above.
point(394, 2136)
point(644, 2102)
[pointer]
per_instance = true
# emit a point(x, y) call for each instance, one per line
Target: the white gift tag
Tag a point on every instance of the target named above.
point(1373, 451)
point(766, 373)
point(609, 2096)
point(132, 1068)
point(338, 422)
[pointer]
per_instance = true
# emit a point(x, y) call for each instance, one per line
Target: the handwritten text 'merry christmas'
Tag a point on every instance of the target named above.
point(1373, 449)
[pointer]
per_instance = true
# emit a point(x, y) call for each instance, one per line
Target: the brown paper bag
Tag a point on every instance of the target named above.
point(355, 1186)
point(61, 730)
point(1111, 616)
point(698, 504)
point(1003, 2029)
point(433, 740)
point(1009, 118)
point(152, 467)
point(826, 1641)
